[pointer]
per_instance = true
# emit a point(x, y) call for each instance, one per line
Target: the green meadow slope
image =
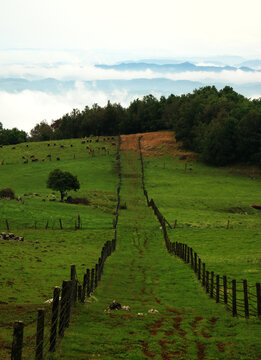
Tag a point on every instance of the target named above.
point(142, 275)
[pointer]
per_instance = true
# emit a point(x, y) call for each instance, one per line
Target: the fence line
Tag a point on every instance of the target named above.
point(52, 321)
point(238, 296)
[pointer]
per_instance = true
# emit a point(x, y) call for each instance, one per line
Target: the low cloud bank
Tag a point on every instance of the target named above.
point(24, 109)
point(91, 73)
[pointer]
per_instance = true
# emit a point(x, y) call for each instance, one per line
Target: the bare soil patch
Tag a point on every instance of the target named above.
point(156, 144)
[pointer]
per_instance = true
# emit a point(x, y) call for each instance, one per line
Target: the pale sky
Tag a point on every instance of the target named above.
point(153, 27)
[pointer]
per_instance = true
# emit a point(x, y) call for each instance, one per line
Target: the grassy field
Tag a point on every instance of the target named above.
point(30, 269)
point(142, 275)
point(202, 200)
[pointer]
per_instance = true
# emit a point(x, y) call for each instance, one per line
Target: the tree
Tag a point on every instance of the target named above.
point(62, 181)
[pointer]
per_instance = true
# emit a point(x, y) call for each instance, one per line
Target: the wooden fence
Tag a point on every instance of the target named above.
point(53, 319)
point(240, 298)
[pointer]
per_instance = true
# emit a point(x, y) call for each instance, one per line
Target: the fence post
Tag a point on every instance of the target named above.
point(7, 224)
point(100, 266)
point(234, 297)
point(61, 225)
point(188, 255)
point(96, 276)
point(212, 285)
point(203, 274)
point(225, 288)
point(62, 320)
point(84, 284)
point(199, 268)
point(79, 290)
point(74, 286)
point(195, 262)
point(92, 281)
point(55, 310)
point(69, 301)
point(245, 299)
point(17, 345)
point(191, 257)
point(39, 335)
point(88, 291)
point(217, 288)
point(207, 281)
point(258, 298)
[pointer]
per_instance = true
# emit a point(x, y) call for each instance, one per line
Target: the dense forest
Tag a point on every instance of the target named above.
point(223, 126)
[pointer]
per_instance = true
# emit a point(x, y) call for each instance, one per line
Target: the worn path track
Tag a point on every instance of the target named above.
point(142, 275)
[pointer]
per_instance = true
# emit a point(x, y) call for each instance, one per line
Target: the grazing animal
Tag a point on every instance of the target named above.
point(62, 146)
point(90, 140)
point(71, 145)
point(27, 145)
point(113, 144)
point(54, 144)
point(43, 159)
point(104, 148)
point(13, 147)
point(97, 140)
point(49, 155)
point(32, 156)
point(58, 158)
point(23, 157)
point(83, 142)
point(34, 160)
point(48, 144)
point(87, 147)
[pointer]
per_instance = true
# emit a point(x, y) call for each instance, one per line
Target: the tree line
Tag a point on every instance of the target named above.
point(222, 126)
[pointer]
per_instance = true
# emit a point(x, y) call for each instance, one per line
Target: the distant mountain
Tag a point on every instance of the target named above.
point(255, 64)
point(136, 87)
point(169, 68)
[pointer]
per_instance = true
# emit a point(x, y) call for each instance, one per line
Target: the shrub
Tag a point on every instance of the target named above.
point(7, 193)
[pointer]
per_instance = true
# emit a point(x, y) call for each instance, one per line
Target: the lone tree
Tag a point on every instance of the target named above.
point(62, 181)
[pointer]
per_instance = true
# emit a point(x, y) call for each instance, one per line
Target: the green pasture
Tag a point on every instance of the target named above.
point(141, 274)
point(203, 199)
point(30, 269)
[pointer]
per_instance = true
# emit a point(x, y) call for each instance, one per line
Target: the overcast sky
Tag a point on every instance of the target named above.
point(62, 39)
point(153, 27)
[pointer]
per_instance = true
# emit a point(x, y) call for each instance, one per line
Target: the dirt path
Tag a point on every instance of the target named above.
point(143, 276)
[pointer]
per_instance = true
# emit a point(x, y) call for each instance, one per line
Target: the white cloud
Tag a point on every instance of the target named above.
point(23, 110)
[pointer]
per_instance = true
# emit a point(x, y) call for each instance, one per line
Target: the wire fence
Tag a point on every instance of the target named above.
point(239, 297)
point(42, 335)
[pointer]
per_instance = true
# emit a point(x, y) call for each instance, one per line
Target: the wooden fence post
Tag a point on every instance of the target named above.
point(79, 291)
point(207, 281)
point(55, 310)
point(258, 298)
point(74, 285)
point(88, 285)
point(203, 274)
point(234, 297)
point(92, 281)
point(225, 288)
point(246, 306)
point(84, 285)
point(191, 257)
point(212, 285)
point(96, 276)
point(61, 225)
point(199, 268)
point(195, 262)
point(7, 224)
point(17, 345)
point(62, 320)
point(39, 335)
point(217, 288)
point(69, 301)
